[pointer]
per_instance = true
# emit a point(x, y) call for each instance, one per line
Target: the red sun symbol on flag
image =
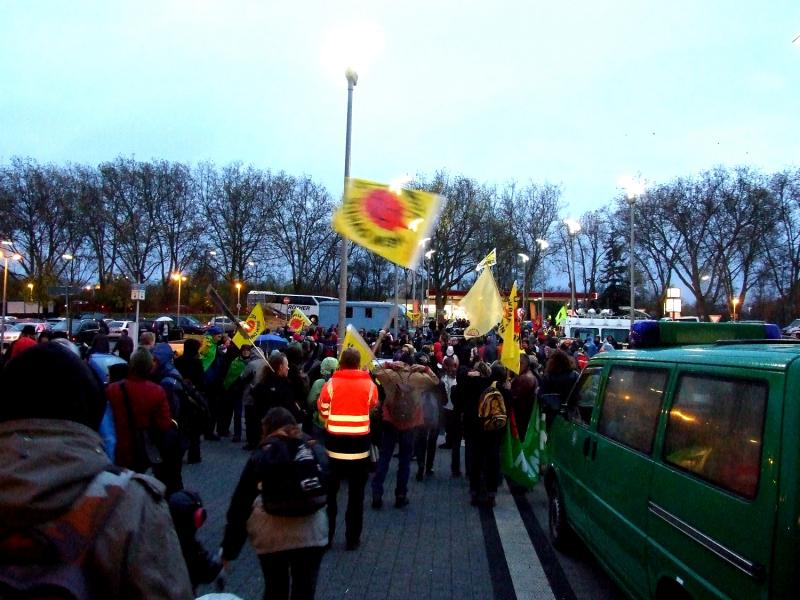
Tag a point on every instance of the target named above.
point(295, 324)
point(384, 209)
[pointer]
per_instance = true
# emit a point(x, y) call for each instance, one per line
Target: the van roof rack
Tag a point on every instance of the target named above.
point(781, 341)
point(655, 334)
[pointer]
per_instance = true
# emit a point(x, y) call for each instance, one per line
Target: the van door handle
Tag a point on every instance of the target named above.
point(594, 449)
point(586, 442)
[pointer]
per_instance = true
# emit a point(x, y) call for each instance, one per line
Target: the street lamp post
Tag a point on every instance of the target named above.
point(633, 190)
point(734, 302)
point(573, 227)
point(180, 278)
point(428, 256)
point(6, 256)
point(525, 258)
point(352, 80)
point(238, 299)
point(543, 245)
point(69, 258)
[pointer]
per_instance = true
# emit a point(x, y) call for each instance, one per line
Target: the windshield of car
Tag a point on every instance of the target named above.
point(116, 324)
point(190, 320)
point(60, 326)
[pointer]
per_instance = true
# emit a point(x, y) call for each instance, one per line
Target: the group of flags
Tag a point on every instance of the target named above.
point(486, 309)
point(255, 324)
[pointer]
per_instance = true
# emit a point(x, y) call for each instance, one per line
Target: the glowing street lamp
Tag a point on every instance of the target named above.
point(525, 258)
point(543, 245)
point(238, 287)
point(68, 257)
point(7, 255)
point(428, 256)
point(634, 189)
point(734, 302)
point(573, 228)
point(180, 278)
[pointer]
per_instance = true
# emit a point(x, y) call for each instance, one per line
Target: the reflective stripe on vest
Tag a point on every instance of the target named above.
point(344, 456)
point(348, 429)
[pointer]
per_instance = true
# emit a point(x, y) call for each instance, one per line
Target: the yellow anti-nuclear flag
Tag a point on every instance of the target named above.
point(388, 222)
point(254, 325)
point(352, 339)
point(483, 305)
point(488, 260)
point(510, 331)
point(298, 320)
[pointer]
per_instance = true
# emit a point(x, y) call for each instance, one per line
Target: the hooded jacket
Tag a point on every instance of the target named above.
point(46, 466)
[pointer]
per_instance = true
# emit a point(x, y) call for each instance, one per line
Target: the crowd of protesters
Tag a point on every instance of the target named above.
point(157, 411)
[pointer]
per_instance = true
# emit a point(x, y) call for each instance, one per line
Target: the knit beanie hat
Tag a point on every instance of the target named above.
point(48, 381)
point(329, 365)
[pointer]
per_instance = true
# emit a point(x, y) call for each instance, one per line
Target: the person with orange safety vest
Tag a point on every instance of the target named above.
point(344, 405)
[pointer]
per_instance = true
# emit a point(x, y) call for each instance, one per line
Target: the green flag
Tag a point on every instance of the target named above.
point(520, 460)
point(561, 316)
point(208, 351)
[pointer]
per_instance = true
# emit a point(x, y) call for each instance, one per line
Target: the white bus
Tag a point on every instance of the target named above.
point(284, 304)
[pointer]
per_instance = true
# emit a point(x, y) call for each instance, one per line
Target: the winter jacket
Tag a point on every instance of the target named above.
point(46, 466)
point(150, 411)
point(419, 381)
point(469, 390)
point(277, 391)
point(268, 533)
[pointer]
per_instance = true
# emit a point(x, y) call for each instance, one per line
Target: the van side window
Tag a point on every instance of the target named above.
point(581, 402)
point(715, 430)
point(368, 312)
point(631, 405)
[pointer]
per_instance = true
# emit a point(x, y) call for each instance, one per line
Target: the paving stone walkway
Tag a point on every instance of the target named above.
point(434, 548)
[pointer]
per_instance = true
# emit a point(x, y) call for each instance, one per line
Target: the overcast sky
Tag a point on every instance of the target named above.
point(575, 93)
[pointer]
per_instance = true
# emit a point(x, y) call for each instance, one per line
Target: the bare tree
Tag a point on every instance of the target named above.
point(301, 231)
point(238, 206)
point(129, 188)
point(459, 240)
point(782, 252)
point(39, 218)
point(527, 214)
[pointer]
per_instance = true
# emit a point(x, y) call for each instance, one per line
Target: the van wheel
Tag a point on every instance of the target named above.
point(561, 534)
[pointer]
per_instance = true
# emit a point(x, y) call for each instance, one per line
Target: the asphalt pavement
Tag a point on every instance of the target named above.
point(438, 547)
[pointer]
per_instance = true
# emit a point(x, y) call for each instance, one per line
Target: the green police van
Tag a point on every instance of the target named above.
point(677, 462)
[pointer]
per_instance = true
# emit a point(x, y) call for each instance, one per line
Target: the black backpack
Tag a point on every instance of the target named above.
point(293, 476)
point(48, 561)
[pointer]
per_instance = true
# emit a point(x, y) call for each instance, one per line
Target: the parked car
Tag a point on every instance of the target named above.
point(52, 322)
point(792, 329)
point(191, 325)
point(83, 330)
point(115, 328)
point(12, 332)
point(675, 462)
point(225, 323)
point(156, 326)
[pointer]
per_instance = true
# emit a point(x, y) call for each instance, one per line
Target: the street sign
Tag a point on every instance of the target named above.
point(137, 291)
point(60, 290)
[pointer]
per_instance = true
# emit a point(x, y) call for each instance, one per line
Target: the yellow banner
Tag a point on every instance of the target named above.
point(489, 260)
point(483, 305)
point(387, 222)
point(510, 331)
point(298, 320)
point(254, 325)
point(352, 339)
point(561, 316)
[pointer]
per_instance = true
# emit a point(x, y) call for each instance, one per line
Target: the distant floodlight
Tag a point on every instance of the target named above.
point(572, 225)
